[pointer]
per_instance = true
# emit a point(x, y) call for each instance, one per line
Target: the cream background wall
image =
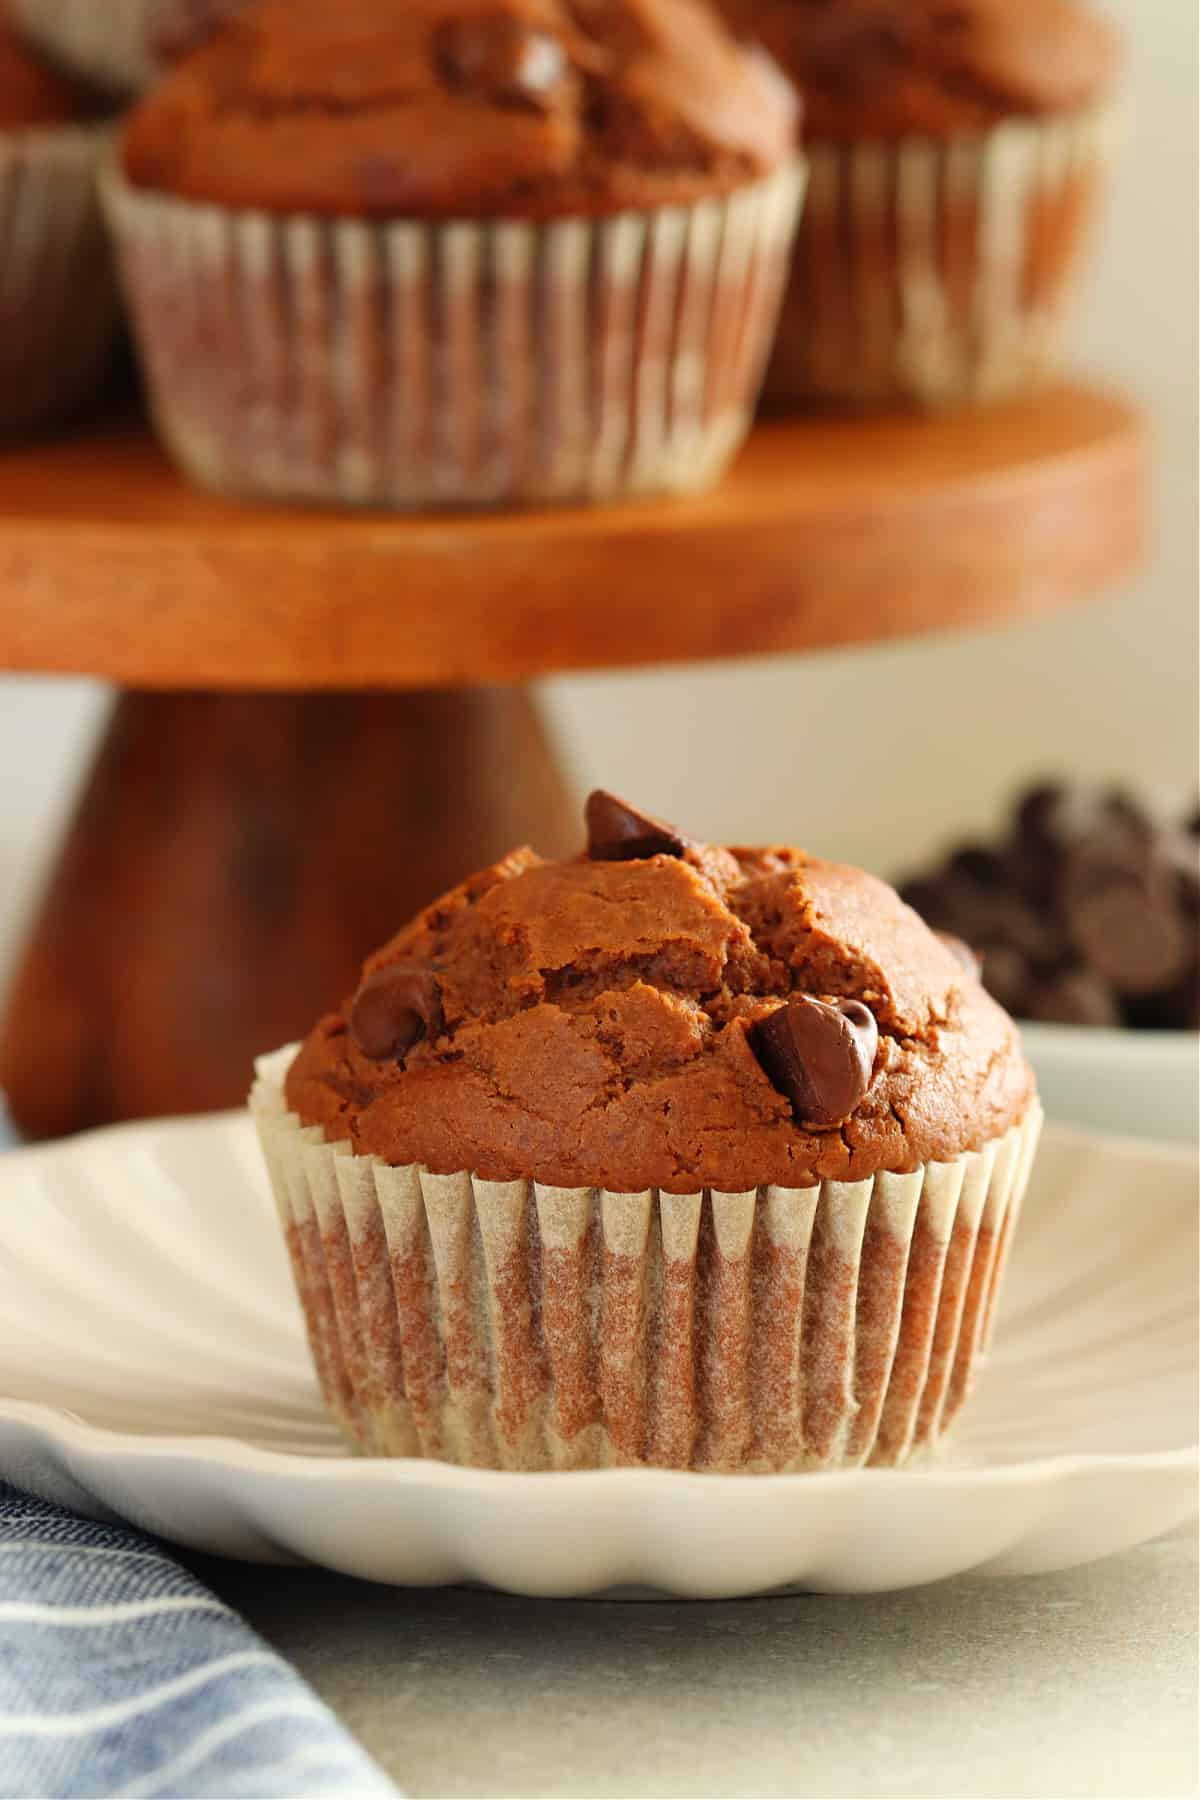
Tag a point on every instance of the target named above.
point(876, 755)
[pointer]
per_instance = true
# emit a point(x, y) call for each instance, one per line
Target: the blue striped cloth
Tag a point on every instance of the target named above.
point(120, 1674)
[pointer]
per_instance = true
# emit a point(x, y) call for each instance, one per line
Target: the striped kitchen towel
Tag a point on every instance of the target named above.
point(121, 1674)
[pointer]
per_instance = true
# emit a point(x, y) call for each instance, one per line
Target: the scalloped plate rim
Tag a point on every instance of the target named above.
point(238, 1456)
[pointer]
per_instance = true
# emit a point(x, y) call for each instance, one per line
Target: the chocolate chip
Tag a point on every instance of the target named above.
point(936, 898)
point(1076, 997)
point(984, 867)
point(1007, 977)
point(497, 58)
point(975, 899)
point(821, 1057)
point(1181, 853)
point(394, 1009)
point(618, 832)
point(1036, 811)
point(1057, 818)
point(1032, 872)
point(1090, 905)
point(1126, 925)
point(1178, 1009)
point(993, 919)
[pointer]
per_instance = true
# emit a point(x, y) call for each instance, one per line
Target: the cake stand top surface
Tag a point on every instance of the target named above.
point(827, 531)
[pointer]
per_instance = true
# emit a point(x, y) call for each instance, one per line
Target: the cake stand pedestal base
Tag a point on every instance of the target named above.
point(232, 860)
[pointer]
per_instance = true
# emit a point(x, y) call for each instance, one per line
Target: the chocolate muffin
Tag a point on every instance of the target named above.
point(669, 1154)
point(958, 150)
point(58, 303)
point(410, 252)
point(118, 45)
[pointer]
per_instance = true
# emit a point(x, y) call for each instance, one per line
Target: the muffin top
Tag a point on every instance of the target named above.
point(463, 108)
point(663, 1013)
point(33, 94)
point(885, 68)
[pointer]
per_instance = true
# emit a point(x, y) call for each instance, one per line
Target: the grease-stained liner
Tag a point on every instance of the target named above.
point(58, 291)
point(519, 1326)
point(936, 272)
point(412, 363)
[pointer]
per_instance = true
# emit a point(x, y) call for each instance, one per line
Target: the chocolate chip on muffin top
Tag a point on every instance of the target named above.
point(885, 68)
point(464, 108)
point(677, 1016)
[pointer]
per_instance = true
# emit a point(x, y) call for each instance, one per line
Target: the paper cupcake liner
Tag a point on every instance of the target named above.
point(518, 1326)
point(58, 294)
point(410, 364)
point(938, 272)
point(117, 44)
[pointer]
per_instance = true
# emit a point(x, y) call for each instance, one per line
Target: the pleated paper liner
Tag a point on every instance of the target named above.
point(939, 272)
point(58, 294)
point(518, 1326)
point(416, 364)
point(118, 44)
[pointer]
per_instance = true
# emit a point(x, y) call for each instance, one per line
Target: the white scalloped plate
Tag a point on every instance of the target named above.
point(152, 1365)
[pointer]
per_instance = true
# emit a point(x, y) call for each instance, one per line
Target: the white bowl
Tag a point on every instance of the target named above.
point(1133, 1083)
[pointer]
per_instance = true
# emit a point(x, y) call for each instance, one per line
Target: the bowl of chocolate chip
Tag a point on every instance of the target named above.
point(1085, 916)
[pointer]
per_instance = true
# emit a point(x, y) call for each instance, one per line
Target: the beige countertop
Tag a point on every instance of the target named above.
point(1078, 1683)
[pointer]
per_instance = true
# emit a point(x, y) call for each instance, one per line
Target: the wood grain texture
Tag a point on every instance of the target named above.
point(828, 531)
point(232, 860)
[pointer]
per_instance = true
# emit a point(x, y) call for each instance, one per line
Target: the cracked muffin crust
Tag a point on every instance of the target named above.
point(464, 108)
point(591, 1023)
point(884, 68)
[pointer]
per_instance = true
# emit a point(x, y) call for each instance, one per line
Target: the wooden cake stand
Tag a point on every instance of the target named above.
point(322, 724)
